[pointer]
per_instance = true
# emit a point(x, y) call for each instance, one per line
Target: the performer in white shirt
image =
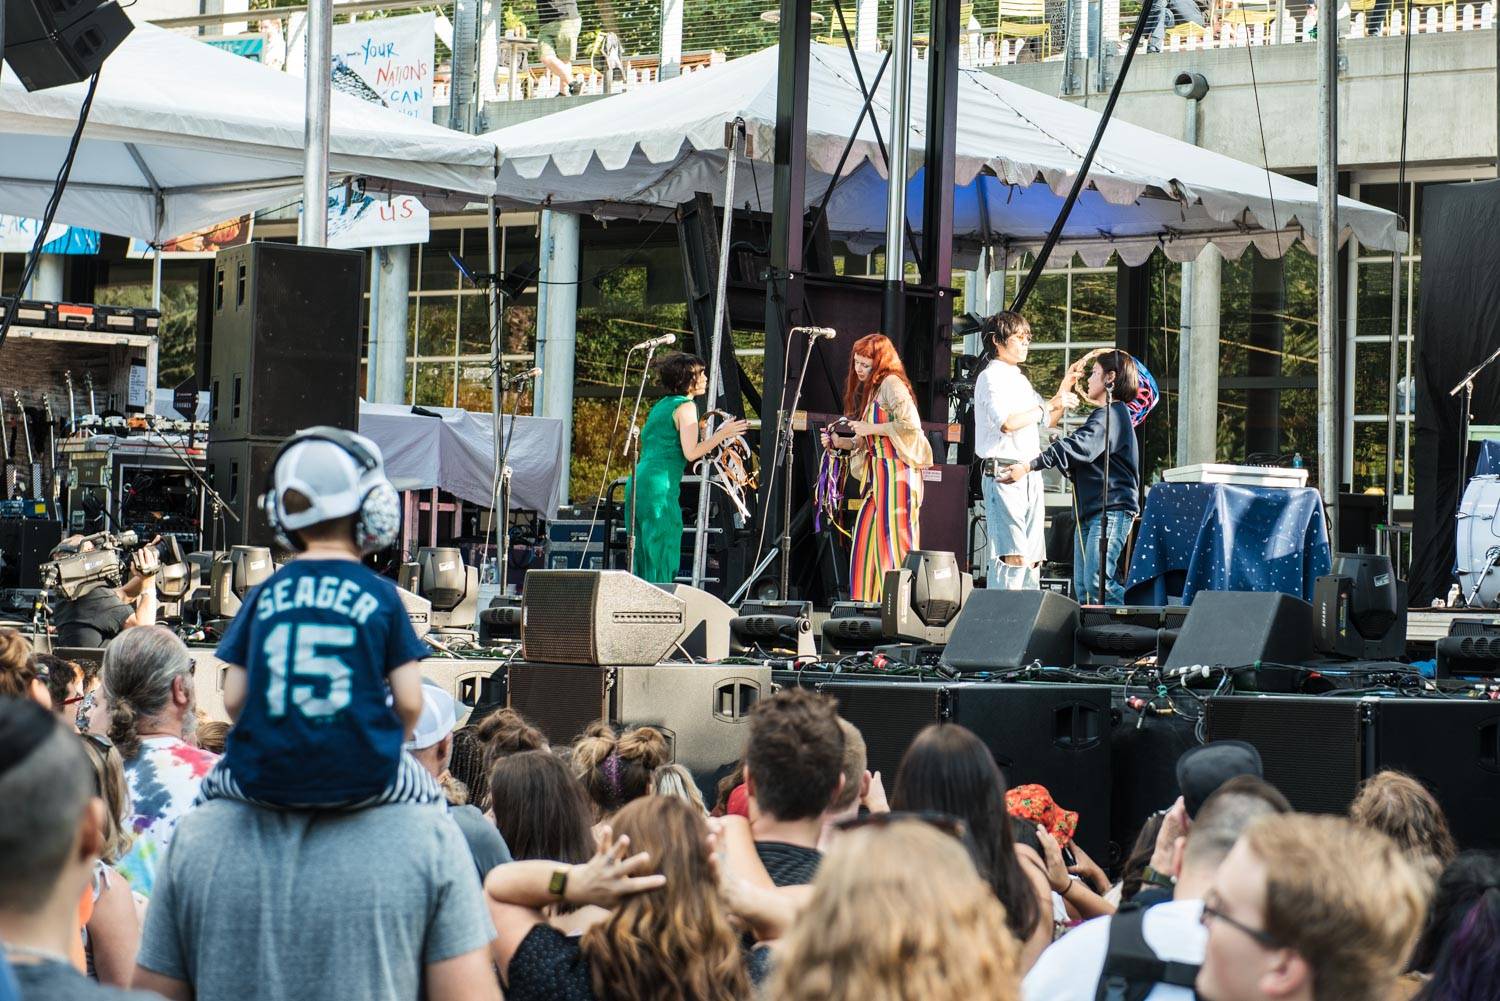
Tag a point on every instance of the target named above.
point(1008, 414)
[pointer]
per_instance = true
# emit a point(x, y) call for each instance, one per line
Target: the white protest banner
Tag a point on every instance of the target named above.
point(387, 61)
point(17, 235)
point(375, 220)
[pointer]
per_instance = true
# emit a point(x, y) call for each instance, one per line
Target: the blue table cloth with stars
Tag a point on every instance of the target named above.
point(1488, 463)
point(1216, 537)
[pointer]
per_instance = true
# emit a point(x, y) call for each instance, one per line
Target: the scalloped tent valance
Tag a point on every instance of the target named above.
point(641, 153)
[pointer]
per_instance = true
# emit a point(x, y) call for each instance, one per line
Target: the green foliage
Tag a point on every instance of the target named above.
point(177, 343)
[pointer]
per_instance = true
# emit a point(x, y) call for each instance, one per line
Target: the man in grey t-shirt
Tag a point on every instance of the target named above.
point(253, 904)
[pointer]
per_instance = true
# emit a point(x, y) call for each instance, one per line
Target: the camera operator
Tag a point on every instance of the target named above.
point(100, 614)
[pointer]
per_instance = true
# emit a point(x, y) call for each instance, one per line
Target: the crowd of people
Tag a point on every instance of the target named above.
point(598, 870)
point(347, 838)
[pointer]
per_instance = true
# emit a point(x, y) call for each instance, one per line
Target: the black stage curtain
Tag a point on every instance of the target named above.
point(1458, 325)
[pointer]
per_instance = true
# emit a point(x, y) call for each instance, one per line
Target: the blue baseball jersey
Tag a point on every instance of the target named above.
point(317, 641)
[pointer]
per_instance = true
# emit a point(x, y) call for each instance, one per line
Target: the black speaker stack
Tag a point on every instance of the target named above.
point(1316, 750)
point(284, 356)
point(1055, 735)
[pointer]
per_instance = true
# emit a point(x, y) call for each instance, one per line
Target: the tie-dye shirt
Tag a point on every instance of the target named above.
point(163, 780)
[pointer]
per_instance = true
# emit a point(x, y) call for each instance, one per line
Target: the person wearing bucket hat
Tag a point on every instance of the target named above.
point(1201, 770)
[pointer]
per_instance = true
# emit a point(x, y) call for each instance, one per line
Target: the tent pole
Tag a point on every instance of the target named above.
point(314, 229)
point(156, 280)
point(711, 401)
point(891, 319)
point(1328, 263)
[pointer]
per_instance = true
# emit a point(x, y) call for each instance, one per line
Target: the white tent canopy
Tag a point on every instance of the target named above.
point(452, 449)
point(183, 135)
point(642, 153)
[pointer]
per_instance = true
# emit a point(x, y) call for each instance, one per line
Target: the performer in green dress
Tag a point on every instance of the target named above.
point(669, 441)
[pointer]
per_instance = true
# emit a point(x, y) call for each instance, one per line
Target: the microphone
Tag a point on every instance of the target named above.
point(815, 333)
point(655, 342)
point(519, 377)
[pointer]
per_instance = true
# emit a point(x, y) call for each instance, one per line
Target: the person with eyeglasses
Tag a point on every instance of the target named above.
point(1309, 908)
point(1008, 416)
point(1153, 954)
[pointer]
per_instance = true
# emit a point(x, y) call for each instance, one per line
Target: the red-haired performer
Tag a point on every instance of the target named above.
point(889, 452)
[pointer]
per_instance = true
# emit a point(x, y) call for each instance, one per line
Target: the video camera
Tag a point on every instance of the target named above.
point(100, 560)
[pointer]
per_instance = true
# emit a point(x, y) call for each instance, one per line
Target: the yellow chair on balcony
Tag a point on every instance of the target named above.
point(1024, 19)
point(1248, 14)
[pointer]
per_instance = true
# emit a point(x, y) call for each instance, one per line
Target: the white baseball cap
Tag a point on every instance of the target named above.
point(439, 717)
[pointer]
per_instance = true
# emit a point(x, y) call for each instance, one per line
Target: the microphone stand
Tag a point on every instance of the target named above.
point(502, 491)
point(633, 453)
point(1109, 411)
point(784, 459)
point(1466, 386)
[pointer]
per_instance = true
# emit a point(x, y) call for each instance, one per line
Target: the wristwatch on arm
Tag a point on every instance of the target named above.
point(558, 884)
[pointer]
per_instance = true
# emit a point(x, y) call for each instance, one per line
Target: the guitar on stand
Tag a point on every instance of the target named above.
point(31, 460)
point(6, 466)
point(72, 427)
point(53, 464)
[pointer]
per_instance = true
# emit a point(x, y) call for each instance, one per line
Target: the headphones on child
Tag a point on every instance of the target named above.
point(378, 515)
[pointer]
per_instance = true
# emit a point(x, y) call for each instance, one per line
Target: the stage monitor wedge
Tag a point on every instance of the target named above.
point(1236, 629)
point(598, 617)
point(1004, 630)
point(52, 43)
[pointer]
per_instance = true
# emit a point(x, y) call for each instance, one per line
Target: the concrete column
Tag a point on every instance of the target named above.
point(390, 287)
point(671, 38)
point(557, 327)
point(1198, 386)
point(866, 36)
point(47, 279)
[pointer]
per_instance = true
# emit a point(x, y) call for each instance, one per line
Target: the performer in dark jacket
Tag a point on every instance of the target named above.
point(1103, 489)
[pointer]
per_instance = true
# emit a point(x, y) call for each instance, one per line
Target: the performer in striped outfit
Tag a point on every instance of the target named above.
point(888, 453)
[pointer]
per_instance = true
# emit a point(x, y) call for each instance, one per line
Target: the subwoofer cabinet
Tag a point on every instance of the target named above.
point(1054, 735)
point(702, 709)
point(1317, 749)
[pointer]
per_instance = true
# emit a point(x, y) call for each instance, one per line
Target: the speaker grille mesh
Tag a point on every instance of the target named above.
point(559, 699)
point(1312, 749)
point(889, 715)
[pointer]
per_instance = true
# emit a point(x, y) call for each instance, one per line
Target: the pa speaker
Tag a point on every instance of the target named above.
point(1054, 735)
point(1242, 628)
point(50, 43)
point(706, 628)
point(702, 709)
point(597, 617)
point(1000, 630)
point(1315, 750)
point(1453, 747)
point(476, 686)
point(285, 350)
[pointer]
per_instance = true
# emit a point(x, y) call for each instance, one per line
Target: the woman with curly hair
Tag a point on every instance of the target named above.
point(665, 933)
point(669, 442)
point(888, 453)
point(616, 769)
point(898, 913)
